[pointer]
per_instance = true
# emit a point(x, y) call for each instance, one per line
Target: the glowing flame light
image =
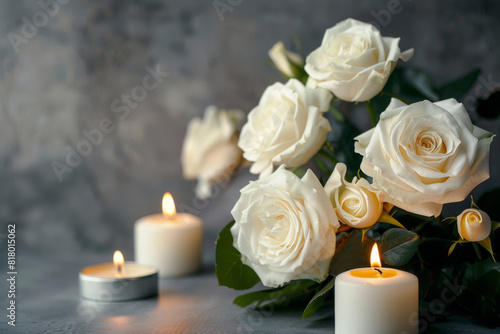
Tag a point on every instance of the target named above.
point(168, 205)
point(118, 261)
point(375, 257)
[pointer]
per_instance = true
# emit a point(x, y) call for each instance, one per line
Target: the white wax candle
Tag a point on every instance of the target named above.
point(103, 282)
point(367, 302)
point(172, 244)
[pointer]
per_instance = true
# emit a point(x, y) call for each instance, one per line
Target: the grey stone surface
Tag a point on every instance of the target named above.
point(64, 78)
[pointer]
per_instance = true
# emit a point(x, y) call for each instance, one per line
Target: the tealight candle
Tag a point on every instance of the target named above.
point(376, 300)
point(118, 281)
point(172, 242)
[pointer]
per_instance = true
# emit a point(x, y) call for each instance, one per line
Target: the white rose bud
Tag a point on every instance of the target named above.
point(357, 203)
point(285, 228)
point(287, 127)
point(210, 152)
point(285, 61)
point(354, 61)
point(425, 154)
point(474, 225)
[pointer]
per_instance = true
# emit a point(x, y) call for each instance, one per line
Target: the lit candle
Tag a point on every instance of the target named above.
point(376, 300)
point(172, 242)
point(118, 281)
point(118, 262)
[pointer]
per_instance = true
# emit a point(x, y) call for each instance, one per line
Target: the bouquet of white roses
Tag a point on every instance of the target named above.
point(295, 233)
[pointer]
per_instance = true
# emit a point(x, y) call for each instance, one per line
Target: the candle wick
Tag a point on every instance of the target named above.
point(119, 268)
point(380, 271)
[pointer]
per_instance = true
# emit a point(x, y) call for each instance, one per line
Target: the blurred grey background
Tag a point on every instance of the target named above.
point(62, 70)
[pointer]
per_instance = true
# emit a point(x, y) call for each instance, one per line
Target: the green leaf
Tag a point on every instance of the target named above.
point(398, 246)
point(410, 84)
point(486, 243)
point(351, 253)
point(318, 299)
point(494, 226)
point(414, 85)
point(479, 269)
point(229, 269)
point(459, 87)
point(280, 296)
point(481, 291)
point(385, 217)
point(418, 82)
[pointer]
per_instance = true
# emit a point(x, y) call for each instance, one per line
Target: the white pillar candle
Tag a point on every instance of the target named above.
point(172, 242)
point(376, 301)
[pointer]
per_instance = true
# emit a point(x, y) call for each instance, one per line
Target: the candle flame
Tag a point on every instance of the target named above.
point(375, 257)
point(118, 261)
point(168, 205)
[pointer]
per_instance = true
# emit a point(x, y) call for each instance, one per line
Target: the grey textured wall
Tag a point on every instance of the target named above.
point(65, 76)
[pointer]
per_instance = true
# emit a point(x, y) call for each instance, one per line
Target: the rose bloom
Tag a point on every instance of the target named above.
point(287, 62)
point(425, 154)
point(210, 152)
point(285, 228)
point(474, 225)
point(287, 127)
point(354, 61)
point(357, 203)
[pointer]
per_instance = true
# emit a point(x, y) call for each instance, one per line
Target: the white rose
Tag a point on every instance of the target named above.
point(474, 225)
point(210, 151)
point(425, 154)
point(287, 127)
point(286, 62)
point(285, 228)
point(354, 61)
point(357, 203)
